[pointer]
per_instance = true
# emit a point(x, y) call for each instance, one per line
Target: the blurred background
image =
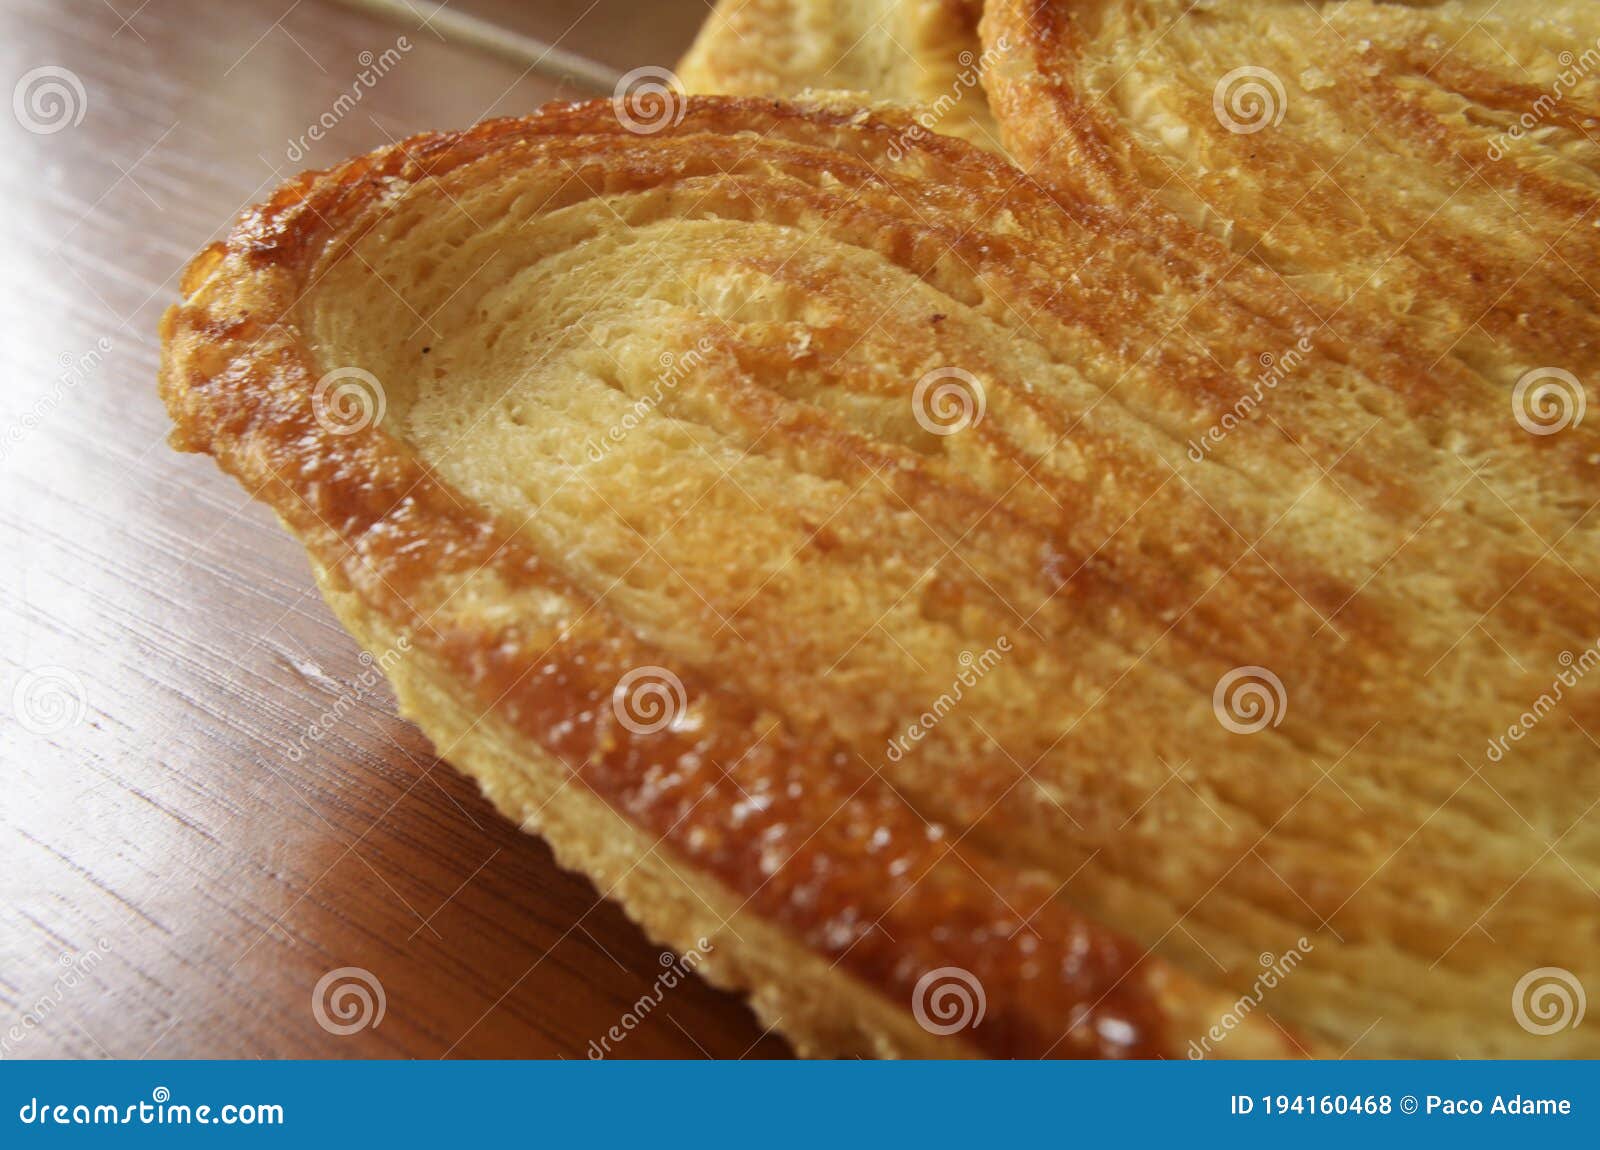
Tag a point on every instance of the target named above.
point(179, 879)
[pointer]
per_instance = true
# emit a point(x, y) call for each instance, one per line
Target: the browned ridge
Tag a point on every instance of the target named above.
point(1438, 161)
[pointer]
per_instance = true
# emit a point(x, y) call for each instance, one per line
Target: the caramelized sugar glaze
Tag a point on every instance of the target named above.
point(781, 532)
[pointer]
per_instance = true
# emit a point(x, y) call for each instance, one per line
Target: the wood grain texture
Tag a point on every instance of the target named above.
point(183, 859)
point(620, 34)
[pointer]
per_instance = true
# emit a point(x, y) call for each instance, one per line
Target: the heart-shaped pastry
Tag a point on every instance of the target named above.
point(802, 522)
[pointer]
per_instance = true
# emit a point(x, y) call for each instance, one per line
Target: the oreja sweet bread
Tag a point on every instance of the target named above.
point(857, 554)
point(1440, 161)
point(924, 53)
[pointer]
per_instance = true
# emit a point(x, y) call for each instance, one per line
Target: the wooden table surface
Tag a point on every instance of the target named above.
point(172, 882)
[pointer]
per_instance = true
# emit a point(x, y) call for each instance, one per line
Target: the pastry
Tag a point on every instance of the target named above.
point(1438, 160)
point(918, 52)
point(817, 532)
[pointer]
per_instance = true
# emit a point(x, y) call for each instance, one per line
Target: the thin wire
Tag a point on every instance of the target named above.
point(474, 31)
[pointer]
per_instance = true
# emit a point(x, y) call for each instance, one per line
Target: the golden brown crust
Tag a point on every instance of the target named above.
point(1437, 161)
point(1074, 827)
point(786, 817)
point(922, 52)
point(820, 1009)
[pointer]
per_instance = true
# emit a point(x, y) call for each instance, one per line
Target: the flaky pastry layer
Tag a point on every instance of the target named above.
point(917, 52)
point(1438, 160)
